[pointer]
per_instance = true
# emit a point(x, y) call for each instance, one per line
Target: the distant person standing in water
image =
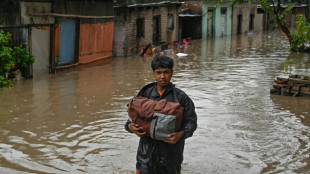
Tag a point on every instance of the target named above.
point(164, 156)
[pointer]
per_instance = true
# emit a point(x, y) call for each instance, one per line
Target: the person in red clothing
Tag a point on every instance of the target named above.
point(164, 156)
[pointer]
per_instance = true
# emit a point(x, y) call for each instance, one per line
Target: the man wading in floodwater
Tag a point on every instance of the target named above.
point(164, 156)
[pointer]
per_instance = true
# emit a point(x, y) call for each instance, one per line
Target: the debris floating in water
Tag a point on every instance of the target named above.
point(181, 54)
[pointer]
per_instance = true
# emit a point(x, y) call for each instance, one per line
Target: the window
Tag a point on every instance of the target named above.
point(156, 28)
point(251, 27)
point(140, 27)
point(170, 24)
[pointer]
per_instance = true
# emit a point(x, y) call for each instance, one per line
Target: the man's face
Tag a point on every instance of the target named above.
point(163, 76)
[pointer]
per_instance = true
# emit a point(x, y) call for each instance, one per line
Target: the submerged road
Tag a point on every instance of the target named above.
point(73, 122)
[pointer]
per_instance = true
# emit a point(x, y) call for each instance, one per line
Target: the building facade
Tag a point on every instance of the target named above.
point(61, 34)
point(190, 18)
point(216, 20)
point(245, 18)
point(138, 25)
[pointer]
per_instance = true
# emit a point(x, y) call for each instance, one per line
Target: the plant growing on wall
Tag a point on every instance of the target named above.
point(11, 58)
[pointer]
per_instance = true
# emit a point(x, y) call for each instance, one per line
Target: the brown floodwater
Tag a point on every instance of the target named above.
point(73, 122)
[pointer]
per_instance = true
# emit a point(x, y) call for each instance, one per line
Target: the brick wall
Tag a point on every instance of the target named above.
point(129, 44)
point(291, 14)
point(173, 35)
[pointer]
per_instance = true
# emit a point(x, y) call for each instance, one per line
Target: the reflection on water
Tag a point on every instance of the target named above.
point(73, 122)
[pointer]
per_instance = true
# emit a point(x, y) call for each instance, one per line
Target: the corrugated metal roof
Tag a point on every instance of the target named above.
point(164, 3)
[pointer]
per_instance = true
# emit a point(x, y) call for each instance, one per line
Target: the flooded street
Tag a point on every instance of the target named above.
point(73, 122)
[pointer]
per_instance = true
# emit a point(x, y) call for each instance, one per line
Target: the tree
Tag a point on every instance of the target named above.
point(279, 14)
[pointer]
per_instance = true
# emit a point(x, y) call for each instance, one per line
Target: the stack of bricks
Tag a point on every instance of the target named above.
point(294, 85)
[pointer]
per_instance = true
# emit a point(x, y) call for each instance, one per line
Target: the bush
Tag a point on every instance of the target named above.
point(6, 59)
point(12, 58)
point(5, 82)
point(22, 57)
point(302, 37)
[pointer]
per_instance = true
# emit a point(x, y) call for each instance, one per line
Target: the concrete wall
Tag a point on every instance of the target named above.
point(126, 41)
point(259, 24)
point(40, 48)
point(245, 10)
point(119, 34)
point(216, 21)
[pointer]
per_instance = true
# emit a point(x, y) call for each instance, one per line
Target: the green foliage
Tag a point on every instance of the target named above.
point(5, 82)
point(6, 59)
point(299, 40)
point(284, 13)
point(22, 57)
point(302, 35)
point(12, 58)
point(240, 1)
point(287, 66)
point(266, 5)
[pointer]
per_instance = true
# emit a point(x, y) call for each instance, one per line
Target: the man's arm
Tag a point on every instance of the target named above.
point(134, 128)
point(189, 122)
point(126, 126)
point(174, 137)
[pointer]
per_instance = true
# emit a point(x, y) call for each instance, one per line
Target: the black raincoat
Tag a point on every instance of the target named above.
point(159, 153)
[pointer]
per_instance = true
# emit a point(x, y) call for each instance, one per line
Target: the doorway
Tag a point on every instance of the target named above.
point(156, 29)
point(239, 24)
point(67, 41)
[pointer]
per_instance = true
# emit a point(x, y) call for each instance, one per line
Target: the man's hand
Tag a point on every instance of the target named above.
point(136, 129)
point(174, 137)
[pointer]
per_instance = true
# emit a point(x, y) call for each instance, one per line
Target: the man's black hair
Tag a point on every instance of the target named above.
point(161, 61)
